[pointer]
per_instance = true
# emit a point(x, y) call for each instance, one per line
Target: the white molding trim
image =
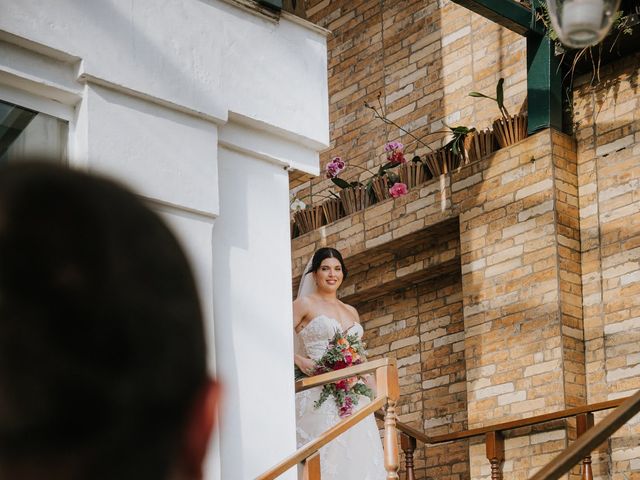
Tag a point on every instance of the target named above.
point(28, 99)
point(252, 153)
point(39, 48)
point(220, 117)
point(306, 24)
point(181, 210)
point(268, 144)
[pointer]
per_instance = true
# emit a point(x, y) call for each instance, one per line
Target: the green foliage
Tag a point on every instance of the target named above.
point(393, 178)
point(362, 389)
point(500, 94)
point(384, 167)
point(341, 183)
point(456, 144)
point(499, 98)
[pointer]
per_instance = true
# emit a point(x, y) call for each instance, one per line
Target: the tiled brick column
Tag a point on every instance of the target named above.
point(520, 260)
point(608, 136)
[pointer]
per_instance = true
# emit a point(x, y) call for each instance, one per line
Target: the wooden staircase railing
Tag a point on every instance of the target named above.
point(589, 437)
point(590, 440)
point(386, 374)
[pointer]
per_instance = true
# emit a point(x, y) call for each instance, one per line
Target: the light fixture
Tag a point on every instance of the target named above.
point(581, 23)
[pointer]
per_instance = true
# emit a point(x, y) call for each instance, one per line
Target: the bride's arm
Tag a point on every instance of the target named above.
point(300, 308)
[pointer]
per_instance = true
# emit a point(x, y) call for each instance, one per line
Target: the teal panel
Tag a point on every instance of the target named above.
point(508, 13)
point(273, 4)
point(544, 84)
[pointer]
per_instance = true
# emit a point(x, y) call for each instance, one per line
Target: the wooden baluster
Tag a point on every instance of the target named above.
point(311, 469)
point(494, 442)
point(584, 422)
point(387, 383)
point(408, 445)
point(391, 454)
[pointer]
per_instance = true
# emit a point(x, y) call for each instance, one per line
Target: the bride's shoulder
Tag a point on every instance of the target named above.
point(352, 310)
point(304, 303)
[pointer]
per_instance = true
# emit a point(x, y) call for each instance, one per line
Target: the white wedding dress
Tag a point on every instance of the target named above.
point(357, 453)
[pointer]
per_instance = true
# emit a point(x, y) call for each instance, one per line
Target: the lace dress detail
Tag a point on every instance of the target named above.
point(357, 453)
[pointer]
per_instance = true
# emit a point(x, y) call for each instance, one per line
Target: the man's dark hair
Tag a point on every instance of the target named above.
point(102, 346)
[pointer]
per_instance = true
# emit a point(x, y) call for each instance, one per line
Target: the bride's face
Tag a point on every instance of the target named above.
point(329, 275)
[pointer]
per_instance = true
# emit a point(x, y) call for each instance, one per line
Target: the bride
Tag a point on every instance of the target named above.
point(317, 314)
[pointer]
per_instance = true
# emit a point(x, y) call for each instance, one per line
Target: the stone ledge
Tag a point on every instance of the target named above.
point(381, 224)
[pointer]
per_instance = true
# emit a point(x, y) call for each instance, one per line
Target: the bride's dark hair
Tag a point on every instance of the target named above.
point(326, 252)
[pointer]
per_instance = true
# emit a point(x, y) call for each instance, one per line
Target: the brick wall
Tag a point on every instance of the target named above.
point(423, 58)
point(422, 326)
point(503, 229)
point(547, 251)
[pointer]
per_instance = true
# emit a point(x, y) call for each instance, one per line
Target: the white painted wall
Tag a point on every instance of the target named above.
point(203, 55)
point(198, 105)
point(166, 155)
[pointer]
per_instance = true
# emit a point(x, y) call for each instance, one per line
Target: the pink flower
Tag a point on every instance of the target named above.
point(398, 190)
point(334, 167)
point(342, 385)
point(395, 153)
point(347, 408)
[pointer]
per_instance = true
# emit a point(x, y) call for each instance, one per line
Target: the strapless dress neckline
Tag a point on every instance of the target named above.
point(322, 315)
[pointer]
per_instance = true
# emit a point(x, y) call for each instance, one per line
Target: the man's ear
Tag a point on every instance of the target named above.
point(198, 429)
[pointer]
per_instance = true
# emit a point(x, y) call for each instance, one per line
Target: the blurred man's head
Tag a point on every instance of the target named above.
point(102, 353)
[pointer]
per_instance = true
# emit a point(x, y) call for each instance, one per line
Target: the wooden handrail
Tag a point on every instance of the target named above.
point(527, 422)
point(589, 437)
point(511, 425)
point(590, 440)
point(331, 377)
point(388, 393)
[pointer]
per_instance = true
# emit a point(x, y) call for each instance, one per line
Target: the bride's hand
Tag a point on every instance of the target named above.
point(307, 365)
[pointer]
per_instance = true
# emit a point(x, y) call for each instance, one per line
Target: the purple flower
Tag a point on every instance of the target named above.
point(334, 167)
point(393, 146)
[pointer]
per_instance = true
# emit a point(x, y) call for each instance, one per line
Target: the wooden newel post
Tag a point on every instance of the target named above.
point(584, 422)
point(494, 442)
point(311, 470)
point(408, 445)
point(387, 383)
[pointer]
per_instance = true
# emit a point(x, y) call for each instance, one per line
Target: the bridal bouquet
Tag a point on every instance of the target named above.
point(343, 351)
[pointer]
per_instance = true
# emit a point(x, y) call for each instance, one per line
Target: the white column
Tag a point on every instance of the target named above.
point(252, 311)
